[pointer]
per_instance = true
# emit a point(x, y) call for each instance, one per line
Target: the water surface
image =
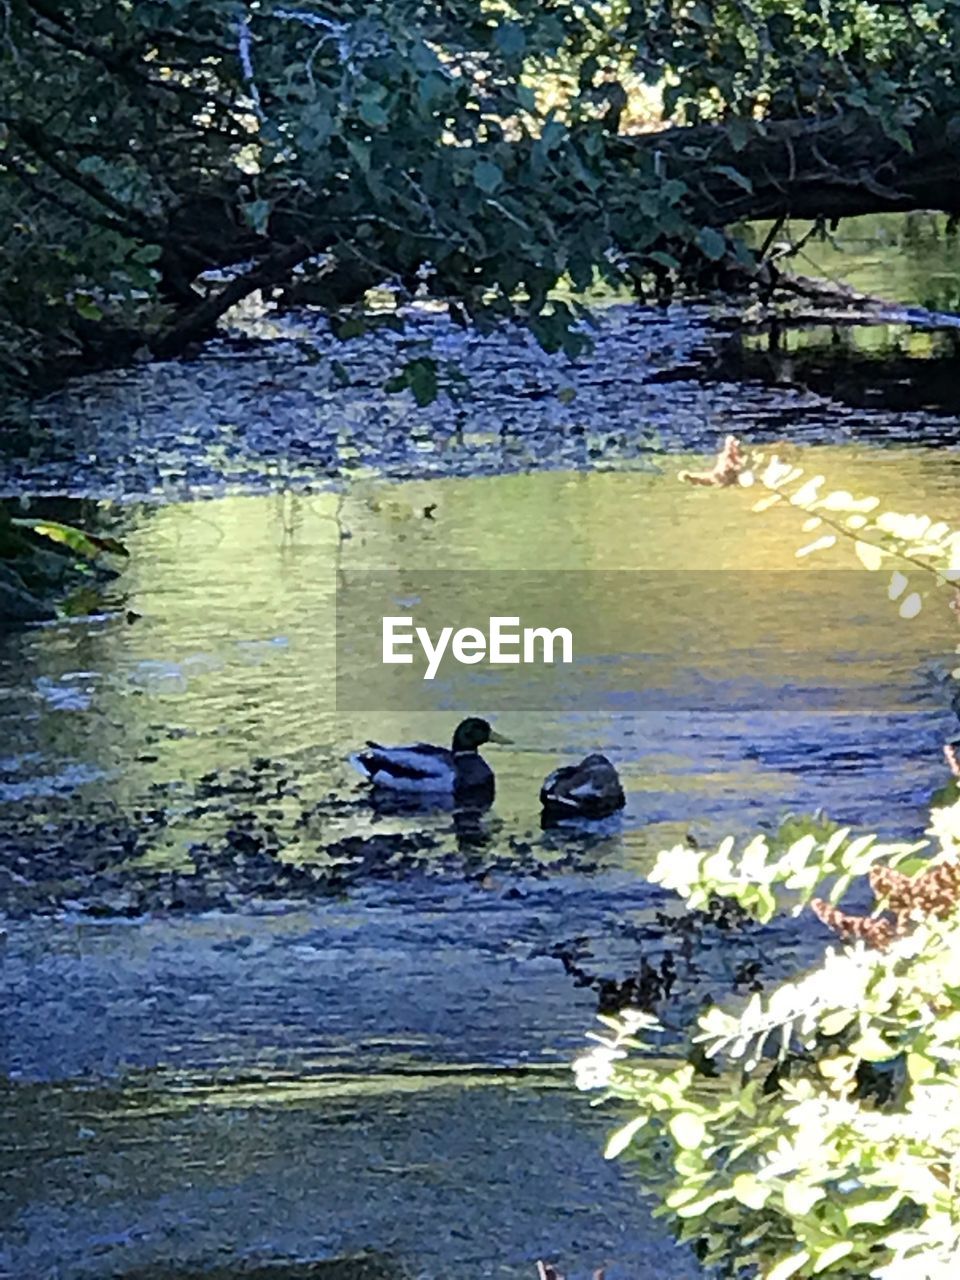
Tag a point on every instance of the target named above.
point(247, 1014)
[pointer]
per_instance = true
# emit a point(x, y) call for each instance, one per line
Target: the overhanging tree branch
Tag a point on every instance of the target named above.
point(807, 169)
point(199, 322)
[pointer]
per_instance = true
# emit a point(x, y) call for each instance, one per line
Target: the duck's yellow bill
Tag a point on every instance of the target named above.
point(498, 737)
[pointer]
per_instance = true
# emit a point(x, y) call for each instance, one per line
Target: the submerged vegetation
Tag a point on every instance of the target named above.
point(44, 561)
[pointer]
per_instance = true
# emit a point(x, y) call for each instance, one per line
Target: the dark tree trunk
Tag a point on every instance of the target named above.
point(817, 169)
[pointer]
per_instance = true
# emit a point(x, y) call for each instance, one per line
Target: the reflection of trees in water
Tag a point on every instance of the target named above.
point(908, 258)
point(875, 367)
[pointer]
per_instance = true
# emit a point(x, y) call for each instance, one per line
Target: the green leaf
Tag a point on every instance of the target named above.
point(256, 214)
point(664, 259)
point(831, 1255)
point(574, 344)
point(510, 38)
point(788, 1266)
point(418, 376)
point(352, 327)
point(739, 133)
point(834, 1023)
point(735, 176)
point(799, 1198)
point(858, 1209)
point(712, 243)
point(872, 1047)
point(488, 176)
point(623, 1137)
point(422, 380)
point(765, 905)
point(89, 545)
point(85, 306)
point(750, 1191)
point(372, 113)
point(840, 888)
point(920, 1067)
point(360, 151)
point(526, 97)
point(697, 1208)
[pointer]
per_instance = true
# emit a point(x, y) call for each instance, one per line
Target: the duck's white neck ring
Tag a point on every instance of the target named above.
point(471, 752)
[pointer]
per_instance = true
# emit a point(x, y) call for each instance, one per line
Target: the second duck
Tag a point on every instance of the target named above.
point(590, 789)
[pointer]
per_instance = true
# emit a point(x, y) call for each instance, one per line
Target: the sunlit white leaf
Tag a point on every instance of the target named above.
point(908, 527)
point(898, 584)
point(688, 1130)
point(870, 557)
point(806, 495)
point(839, 500)
point(911, 605)
point(623, 1137)
point(821, 544)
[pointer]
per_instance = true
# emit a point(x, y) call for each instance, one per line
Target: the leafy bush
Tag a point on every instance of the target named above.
point(829, 1140)
point(816, 1129)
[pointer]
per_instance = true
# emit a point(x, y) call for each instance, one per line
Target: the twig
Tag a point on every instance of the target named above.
point(244, 40)
point(771, 236)
point(134, 221)
point(30, 181)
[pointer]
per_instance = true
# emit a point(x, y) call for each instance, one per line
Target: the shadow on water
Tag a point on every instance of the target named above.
point(881, 367)
point(458, 1175)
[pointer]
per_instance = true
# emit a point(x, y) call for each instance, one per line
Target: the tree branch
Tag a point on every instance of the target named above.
point(200, 322)
point(131, 221)
point(82, 215)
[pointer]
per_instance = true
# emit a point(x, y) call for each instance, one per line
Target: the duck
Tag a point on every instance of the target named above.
point(590, 789)
point(422, 768)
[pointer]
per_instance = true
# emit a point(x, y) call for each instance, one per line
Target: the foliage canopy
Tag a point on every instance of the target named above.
point(490, 147)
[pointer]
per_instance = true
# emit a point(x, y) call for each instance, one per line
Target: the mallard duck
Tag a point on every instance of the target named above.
point(590, 789)
point(422, 768)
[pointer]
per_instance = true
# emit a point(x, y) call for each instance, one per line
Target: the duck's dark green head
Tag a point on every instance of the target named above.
point(473, 733)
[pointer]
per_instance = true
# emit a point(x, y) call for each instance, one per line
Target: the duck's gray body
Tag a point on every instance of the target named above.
point(423, 769)
point(590, 789)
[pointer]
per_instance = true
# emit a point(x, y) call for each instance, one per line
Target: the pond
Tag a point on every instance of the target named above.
point(249, 1016)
